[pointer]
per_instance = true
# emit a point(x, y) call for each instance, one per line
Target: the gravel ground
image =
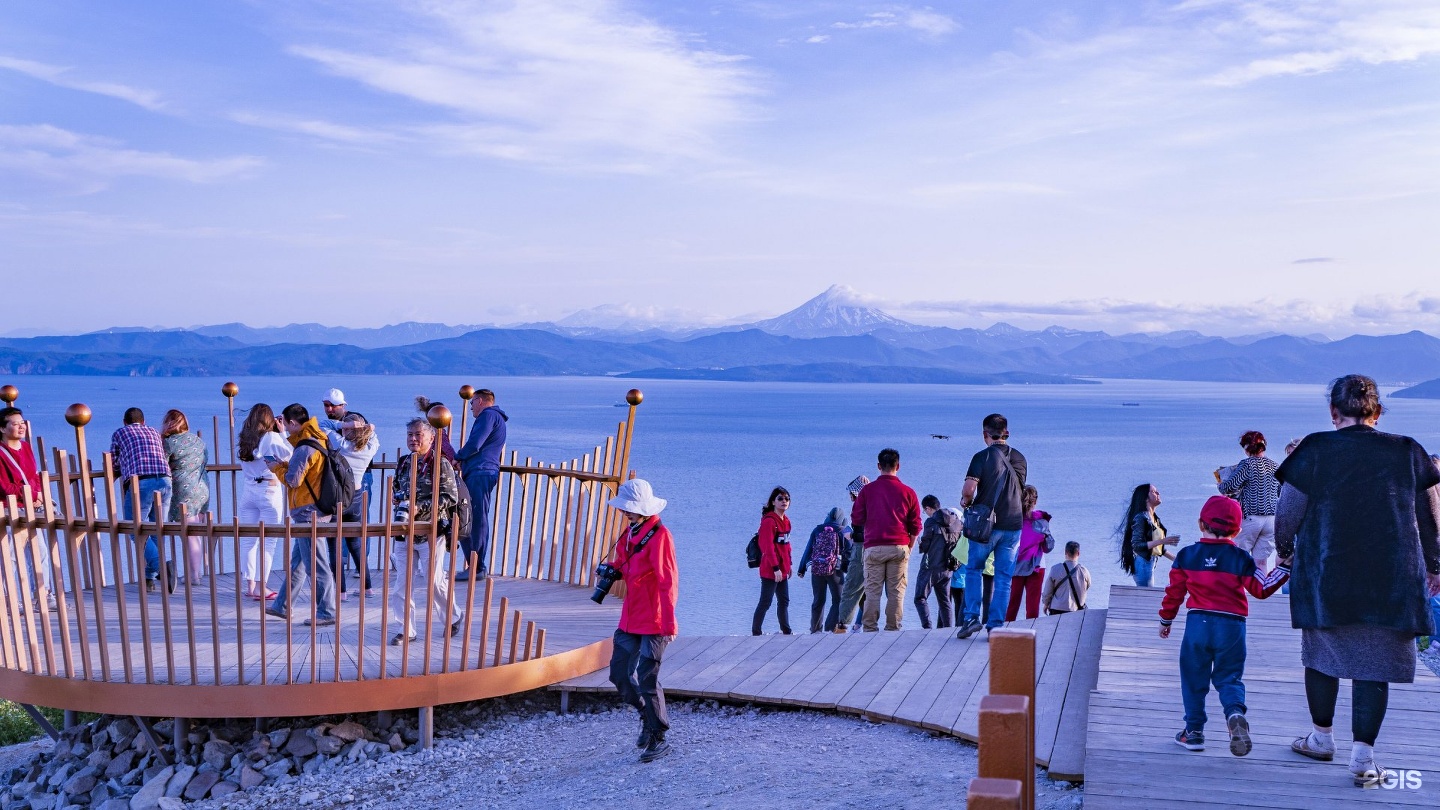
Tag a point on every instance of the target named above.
point(724, 756)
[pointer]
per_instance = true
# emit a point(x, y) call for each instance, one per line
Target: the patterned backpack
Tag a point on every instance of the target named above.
point(825, 551)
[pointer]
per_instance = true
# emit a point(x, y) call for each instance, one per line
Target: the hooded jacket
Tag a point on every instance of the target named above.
point(652, 580)
point(485, 444)
point(302, 475)
point(942, 533)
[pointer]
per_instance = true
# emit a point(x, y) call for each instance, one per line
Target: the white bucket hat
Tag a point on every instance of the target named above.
point(636, 496)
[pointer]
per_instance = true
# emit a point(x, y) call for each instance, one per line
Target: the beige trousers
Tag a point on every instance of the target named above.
point(885, 567)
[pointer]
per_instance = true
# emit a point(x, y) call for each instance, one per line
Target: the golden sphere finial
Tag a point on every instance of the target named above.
point(78, 414)
point(9, 394)
point(466, 392)
point(230, 389)
point(634, 396)
point(439, 417)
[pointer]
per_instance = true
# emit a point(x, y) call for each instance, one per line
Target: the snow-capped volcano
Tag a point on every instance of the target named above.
point(838, 311)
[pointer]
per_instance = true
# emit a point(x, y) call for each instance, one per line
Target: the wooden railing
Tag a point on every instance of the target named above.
point(1006, 779)
point(74, 605)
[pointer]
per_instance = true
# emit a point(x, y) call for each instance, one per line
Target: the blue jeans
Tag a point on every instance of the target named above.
point(300, 568)
point(148, 488)
point(1213, 651)
point(482, 494)
point(1002, 544)
point(1144, 572)
point(1435, 613)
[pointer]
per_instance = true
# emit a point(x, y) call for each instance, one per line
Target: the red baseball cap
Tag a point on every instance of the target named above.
point(1222, 515)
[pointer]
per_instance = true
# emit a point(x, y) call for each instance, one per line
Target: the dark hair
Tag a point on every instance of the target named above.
point(296, 412)
point(770, 501)
point(1139, 502)
point(423, 404)
point(6, 413)
point(1356, 396)
point(134, 416)
point(485, 394)
point(996, 426)
point(173, 423)
point(1028, 498)
point(259, 421)
point(930, 502)
point(889, 458)
point(1072, 548)
point(1253, 441)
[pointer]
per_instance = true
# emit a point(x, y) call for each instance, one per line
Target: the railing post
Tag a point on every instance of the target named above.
point(993, 794)
point(467, 393)
point(1012, 673)
point(427, 727)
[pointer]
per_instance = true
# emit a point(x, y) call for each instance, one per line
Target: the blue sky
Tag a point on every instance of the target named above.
point(1233, 166)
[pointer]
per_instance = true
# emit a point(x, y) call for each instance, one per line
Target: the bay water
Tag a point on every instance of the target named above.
point(715, 449)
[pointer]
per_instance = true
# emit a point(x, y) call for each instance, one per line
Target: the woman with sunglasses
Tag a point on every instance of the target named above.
point(774, 561)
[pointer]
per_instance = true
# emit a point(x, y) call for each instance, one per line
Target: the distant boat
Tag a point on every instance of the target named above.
point(1130, 404)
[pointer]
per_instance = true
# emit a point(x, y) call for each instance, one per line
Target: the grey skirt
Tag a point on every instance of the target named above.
point(1360, 652)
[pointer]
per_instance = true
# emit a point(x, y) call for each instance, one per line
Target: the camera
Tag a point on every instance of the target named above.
point(605, 578)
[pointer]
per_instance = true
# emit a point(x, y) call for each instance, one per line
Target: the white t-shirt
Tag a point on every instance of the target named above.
point(273, 449)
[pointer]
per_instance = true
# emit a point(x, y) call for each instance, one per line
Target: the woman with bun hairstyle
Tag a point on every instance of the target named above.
point(1253, 483)
point(774, 561)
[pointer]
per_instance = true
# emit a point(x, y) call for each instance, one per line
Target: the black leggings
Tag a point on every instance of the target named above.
point(355, 547)
point(769, 589)
point(1368, 700)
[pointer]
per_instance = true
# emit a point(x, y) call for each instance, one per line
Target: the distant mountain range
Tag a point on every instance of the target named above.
point(834, 337)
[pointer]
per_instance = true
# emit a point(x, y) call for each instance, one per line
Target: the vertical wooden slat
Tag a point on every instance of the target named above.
point(189, 596)
point(509, 503)
point(484, 624)
point(542, 518)
point(165, 569)
point(470, 615)
point(59, 539)
point(72, 545)
point(218, 490)
point(15, 659)
point(529, 640)
point(240, 605)
point(363, 601)
point(452, 602)
point(437, 458)
point(500, 628)
point(532, 512)
point(38, 549)
point(515, 637)
point(211, 544)
point(314, 601)
point(117, 567)
point(289, 600)
point(337, 573)
point(406, 620)
point(540, 644)
point(262, 602)
point(387, 550)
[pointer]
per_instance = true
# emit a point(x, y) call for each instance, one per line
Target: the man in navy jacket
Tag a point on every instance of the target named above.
point(480, 465)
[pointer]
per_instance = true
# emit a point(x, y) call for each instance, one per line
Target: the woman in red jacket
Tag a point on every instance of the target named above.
point(645, 555)
point(774, 561)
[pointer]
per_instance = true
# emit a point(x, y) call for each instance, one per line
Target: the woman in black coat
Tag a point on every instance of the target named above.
point(1358, 511)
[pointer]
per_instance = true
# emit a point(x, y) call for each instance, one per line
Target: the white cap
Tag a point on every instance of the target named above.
point(335, 396)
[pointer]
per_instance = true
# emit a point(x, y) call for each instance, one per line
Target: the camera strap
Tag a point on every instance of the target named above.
point(644, 540)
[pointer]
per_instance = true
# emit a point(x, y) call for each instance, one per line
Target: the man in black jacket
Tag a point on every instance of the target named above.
point(937, 544)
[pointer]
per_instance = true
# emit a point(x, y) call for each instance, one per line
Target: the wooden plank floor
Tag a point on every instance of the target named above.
point(921, 678)
point(1132, 761)
point(293, 653)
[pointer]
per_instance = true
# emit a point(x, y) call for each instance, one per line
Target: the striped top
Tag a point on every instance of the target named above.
point(1254, 481)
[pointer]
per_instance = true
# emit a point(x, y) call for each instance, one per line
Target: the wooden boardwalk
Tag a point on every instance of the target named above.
point(922, 678)
point(1132, 760)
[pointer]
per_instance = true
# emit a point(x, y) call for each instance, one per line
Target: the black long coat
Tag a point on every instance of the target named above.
point(1358, 557)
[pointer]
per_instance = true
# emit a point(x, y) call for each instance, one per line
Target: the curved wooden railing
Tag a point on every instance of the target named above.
point(107, 644)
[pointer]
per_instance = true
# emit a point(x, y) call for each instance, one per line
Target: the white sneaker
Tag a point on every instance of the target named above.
point(1370, 774)
point(1312, 746)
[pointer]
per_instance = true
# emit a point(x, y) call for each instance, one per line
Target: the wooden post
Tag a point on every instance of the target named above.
point(230, 389)
point(1012, 672)
point(467, 392)
point(993, 794)
point(427, 723)
point(1007, 741)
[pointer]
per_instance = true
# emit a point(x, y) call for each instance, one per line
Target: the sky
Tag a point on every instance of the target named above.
point(1232, 166)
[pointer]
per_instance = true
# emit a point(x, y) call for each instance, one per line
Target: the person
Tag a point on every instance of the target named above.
point(1253, 482)
point(1144, 536)
point(302, 481)
point(188, 457)
point(995, 478)
point(888, 513)
point(423, 405)
point(938, 539)
point(957, 579)
point(852, 590)
point(1069, 596)
point(357, 443)
point(1358, 510)
point(18, 471)
point(826, 556)
point(1028, 578)
point(645, 556)
point(1216, 574)
point(140, 462)
point(1434, 600)
point(480, 465)
point(774, 537)
point(264, 456)
point(414, 500)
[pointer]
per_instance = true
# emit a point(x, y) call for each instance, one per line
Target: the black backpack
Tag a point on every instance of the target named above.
point(752, 551)
point(337, 480)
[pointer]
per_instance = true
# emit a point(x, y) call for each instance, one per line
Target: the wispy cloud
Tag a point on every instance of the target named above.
point(550, 81)
point(1314, 260)
point(59, 154)
point(325, 130)
point(925, 20)
point(64, 77)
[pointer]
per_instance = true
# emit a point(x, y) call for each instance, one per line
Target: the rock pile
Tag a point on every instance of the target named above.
point(110, 763)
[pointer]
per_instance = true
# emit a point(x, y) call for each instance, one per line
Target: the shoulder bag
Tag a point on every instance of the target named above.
point(978, 520)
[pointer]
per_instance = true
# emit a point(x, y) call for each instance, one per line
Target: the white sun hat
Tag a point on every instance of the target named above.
point(636, 496)
point(334, 396)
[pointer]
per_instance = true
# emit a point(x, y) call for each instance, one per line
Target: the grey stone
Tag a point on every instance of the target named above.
point(122, 730)
point(44, 801)
point(200, 785)
point(132, 777)
point(396, 742)
point(219, 752)
point(81, 783)
point(100, 759)
point(309, 797)
point(312, 765)
point(278, 737)
point(149, 796)
point(196, 738)
point(61, 774)
point(329, 746)
point(300, 745)
point(349, 731)
point(170, 803)
point(180, 780)
point(114, 804)
point(249, 778)
point(356, 751)
point(223, 789)
point(279, 768)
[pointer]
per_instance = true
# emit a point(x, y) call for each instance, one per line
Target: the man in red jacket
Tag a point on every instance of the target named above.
point(645, 557)
point(888, 513)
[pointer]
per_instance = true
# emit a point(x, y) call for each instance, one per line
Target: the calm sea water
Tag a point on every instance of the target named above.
point(714, 450)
